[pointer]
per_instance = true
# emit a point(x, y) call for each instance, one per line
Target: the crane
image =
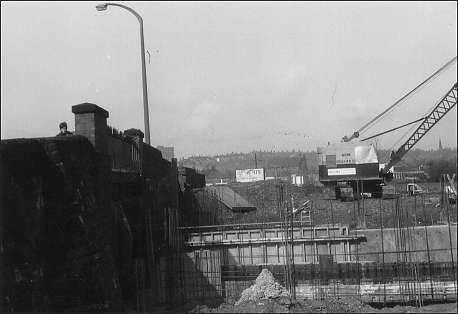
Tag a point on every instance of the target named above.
point(442, 108)
point(346, 167)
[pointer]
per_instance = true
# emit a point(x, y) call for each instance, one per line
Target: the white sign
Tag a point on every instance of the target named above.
point(342, 172)
point(249, 175)
point(297, 180)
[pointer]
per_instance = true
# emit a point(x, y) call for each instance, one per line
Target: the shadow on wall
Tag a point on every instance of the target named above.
point(189, 277)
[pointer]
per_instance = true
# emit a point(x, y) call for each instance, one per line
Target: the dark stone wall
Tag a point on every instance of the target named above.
point(72, 231)
point(56, 245)
point(75, 234)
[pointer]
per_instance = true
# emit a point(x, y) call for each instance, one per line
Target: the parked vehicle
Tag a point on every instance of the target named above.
point(414, 189)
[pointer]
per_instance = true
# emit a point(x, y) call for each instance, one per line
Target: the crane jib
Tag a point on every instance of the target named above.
point(399, 101)
point(442, 108)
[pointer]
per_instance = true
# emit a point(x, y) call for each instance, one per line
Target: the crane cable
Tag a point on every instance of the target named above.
point(408, 94)
point(409, 131)
point(393, 129)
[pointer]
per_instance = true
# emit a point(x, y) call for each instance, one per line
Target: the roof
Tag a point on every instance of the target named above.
point(231, 199)
point(356, 152)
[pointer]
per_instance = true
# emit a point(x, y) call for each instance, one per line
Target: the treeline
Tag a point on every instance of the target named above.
point(224, 166)
point(434, 168)
point(433, 162)
point(417, 158)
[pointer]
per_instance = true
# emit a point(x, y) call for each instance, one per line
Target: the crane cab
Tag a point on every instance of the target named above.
point(350, 167)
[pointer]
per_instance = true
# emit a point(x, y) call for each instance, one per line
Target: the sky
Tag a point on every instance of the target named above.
point(230, 76)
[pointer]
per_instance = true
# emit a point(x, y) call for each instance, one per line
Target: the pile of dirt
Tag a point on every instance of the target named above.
point(262, 306)
point(266, 295)
point(265, 287)
point(278, 305)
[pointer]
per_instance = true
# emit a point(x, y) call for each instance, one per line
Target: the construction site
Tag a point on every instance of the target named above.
point(364, 235)
point(100, 220)
point(140, 233)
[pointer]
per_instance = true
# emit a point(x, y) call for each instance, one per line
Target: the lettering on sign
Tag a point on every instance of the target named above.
point(249, 175)
point(342, 172)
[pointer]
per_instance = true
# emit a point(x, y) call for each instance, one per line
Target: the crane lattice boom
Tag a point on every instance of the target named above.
point(442, 108)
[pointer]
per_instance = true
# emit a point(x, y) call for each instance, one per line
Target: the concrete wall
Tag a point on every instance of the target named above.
point(442, 244)
point(265, 245)
point(246, 250)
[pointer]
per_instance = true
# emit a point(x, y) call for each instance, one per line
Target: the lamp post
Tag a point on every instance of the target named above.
point(103, 7)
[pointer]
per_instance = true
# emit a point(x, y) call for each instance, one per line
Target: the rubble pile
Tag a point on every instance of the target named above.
point(265, 287)
point(266, 295)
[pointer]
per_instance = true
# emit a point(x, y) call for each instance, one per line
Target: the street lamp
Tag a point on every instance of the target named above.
point(103, 7)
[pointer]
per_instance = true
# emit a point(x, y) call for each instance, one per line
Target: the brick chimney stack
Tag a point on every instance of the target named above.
point(91, 122)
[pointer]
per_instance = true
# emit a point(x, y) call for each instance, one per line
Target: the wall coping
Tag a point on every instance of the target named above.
point(134, 132)
point(89, 108)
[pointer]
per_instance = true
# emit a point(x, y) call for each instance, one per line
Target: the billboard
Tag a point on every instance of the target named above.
point(250, 175)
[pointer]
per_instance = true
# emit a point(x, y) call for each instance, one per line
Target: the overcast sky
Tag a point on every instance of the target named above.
point(229, 77)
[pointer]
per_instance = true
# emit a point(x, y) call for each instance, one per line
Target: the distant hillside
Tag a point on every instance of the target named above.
point(417, 158)
point(275, 163)
point(285, 163)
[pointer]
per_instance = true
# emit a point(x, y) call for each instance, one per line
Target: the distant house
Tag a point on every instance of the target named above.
point(405, 173)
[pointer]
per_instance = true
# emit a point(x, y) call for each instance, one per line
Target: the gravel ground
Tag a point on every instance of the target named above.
point(432, 308)
point(266, 295)
point(327, 210)
point(284, 305)
point(344, 305)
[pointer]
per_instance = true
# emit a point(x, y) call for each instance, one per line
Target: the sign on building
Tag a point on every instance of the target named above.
point(250, 175)
point(341, 171)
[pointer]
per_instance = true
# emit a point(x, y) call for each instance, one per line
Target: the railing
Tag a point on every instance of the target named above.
point(124, 152)
point(402, 175)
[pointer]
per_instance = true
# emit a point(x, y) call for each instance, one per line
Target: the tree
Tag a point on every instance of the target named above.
point(435, 168)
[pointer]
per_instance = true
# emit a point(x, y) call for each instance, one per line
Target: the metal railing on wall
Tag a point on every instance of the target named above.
point(124, 152)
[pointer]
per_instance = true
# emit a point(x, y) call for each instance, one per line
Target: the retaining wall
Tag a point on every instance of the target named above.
point(398, 242)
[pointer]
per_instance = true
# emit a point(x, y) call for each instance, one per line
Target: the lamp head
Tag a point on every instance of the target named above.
point(101, 6)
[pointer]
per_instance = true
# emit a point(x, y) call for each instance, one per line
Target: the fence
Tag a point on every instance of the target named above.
point(408, 256)
point(124, 152)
